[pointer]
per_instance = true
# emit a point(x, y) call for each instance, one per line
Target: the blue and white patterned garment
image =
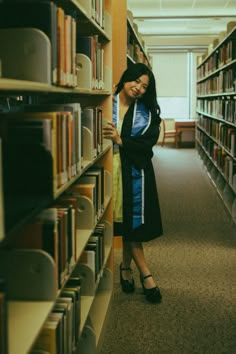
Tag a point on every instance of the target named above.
point(141, 122)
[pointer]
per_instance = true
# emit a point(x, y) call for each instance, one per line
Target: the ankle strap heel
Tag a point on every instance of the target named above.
point(152, 295)
point(127, 286)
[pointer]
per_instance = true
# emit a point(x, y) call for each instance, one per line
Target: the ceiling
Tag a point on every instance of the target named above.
point(181, 23)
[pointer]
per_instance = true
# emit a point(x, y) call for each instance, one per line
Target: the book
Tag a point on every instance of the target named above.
point(73, 51)
point(50, 336)
point(56, 319)
point(62, 308)
point(74, 284)
point(88, 120)
point(70, 204)
point(94, 245)
point(65, 304)
point(67, 52)
point(99, 234)
point(73, 292)
point(61, 46)
point(98, 171)
point(92, 118)
point(63, 244)
point(74, 120)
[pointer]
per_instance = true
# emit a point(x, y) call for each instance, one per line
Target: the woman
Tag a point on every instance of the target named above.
point(134, 131)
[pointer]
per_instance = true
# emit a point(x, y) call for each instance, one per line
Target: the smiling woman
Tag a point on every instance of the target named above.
point(134, 131)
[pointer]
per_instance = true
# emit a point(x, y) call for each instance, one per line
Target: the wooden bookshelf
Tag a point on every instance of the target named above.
point(119, 41)
point(40, 280)
point(136, 51)
point(216, 127)
point(125, 38)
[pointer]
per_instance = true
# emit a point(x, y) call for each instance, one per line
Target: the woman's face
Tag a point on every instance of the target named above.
point(137, 88)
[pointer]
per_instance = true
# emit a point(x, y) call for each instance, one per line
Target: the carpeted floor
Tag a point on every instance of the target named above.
point(195, 264)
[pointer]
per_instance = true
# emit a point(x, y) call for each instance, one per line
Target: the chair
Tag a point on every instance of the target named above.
point(169, 131)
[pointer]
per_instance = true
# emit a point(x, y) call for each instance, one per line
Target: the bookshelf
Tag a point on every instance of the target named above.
point(119, 40)
point(125, 39)
point(136, 51)
point(216, 126)
point(56, 245)
point(122, 31)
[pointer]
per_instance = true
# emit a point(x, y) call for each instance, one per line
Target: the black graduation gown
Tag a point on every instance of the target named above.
point(137, 151)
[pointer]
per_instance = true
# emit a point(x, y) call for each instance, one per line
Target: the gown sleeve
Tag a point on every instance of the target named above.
point(138, 149)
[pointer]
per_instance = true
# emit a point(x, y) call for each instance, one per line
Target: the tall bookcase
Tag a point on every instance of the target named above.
point(39, 174)
point(136, 52)
point(216, 127)
point(123, 32)
point(126, 41)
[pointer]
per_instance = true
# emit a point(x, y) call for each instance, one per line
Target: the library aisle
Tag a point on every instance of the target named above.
point(195, 263)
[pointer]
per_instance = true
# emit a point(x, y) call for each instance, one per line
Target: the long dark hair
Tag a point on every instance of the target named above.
point(133, 72)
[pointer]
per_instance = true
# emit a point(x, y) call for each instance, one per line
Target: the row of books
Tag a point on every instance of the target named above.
point(222, 82)
point(92, 186)
point(219, 108)
point(60, 332)
point(134, 50)
point(222, 133)
point(223, 55)
point(91, 47)
point(224, 162)
point(61, 29)
point(97, 7)
point(94, 9)
point(62, 130)
point(94, 253)
point(57, 228)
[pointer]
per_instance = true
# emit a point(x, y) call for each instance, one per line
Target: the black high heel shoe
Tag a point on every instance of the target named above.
point(152, 295)
point(126, 285)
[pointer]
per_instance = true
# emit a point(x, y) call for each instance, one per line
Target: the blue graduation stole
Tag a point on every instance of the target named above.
point(141, 122)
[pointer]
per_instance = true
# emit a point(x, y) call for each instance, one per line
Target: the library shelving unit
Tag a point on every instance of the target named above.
point(216, 127)
point(49, 243)
point(124, 41)
point(136, 52)
point(119, 40)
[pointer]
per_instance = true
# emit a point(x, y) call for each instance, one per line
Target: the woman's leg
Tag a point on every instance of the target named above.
point(126, 261)
point(126, 276)
point(137, 252)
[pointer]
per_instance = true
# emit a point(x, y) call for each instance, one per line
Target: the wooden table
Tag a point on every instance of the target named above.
point(183, 125)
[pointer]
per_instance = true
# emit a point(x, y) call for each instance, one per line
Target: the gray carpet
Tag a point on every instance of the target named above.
point(195, 264)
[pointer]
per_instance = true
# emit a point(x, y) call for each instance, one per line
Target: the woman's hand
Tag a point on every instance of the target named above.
point(110, 132)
